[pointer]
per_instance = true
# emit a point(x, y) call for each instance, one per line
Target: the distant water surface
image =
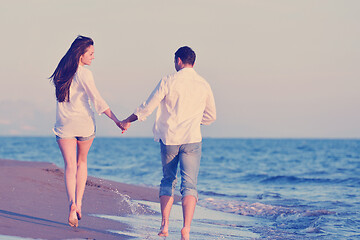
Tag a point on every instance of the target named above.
point(290, 188)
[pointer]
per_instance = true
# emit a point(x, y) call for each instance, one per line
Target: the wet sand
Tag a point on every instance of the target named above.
point(33, 203)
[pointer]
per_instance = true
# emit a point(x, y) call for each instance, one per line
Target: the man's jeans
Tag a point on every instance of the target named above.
point(189, 156)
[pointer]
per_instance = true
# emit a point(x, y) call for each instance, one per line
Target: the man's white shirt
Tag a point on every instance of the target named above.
point(185, 101)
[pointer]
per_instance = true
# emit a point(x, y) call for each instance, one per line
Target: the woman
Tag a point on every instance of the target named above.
point(75, 122)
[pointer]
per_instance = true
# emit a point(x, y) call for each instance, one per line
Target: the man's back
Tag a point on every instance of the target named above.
point(186, 97)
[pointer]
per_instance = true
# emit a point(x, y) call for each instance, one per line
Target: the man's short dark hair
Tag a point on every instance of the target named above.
point(186, 54)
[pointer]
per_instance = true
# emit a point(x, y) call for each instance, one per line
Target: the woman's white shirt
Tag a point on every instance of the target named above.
point(76, 117)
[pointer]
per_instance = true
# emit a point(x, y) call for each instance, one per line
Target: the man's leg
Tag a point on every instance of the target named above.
point(166, 203)
point(170, 160)
point(189, 157)
point(188, 205)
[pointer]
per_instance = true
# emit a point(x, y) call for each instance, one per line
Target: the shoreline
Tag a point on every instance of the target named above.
point(33, 203)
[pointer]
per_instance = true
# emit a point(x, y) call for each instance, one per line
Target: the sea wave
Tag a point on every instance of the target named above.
point(298, 180)
point(216, 194)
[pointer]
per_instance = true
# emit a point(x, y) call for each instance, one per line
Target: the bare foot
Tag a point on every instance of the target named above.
point(73, 220)
point(163, 231)
point(78, 212)
point(185, 233)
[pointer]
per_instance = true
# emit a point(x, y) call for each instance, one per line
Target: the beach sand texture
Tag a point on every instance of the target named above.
point(33, 203)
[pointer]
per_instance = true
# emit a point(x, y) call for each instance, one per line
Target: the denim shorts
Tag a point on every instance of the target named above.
point(188, 156)
point(77, 137)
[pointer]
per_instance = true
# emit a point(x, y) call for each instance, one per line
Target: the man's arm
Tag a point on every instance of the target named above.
point(145, 109)
point(209, 115)
point(153, 101)
point(131, 118)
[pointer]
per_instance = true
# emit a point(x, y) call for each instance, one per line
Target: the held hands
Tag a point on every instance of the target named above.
point(124, 125)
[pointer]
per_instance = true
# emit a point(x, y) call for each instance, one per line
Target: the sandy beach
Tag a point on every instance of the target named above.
point(33, 203)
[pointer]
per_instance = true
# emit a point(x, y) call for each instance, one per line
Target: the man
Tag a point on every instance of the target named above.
point(185, 102)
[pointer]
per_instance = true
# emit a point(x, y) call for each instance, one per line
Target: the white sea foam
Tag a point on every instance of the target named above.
point(6, 237)
point(257, 209)
point(135, 207)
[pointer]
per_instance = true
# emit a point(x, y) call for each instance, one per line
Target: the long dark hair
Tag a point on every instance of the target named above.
point(67, 67)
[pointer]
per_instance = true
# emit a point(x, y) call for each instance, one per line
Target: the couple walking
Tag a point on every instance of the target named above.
point(184, 101)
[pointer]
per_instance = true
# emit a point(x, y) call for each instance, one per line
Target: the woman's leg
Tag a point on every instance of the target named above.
point(68, 151)
point(83, 148)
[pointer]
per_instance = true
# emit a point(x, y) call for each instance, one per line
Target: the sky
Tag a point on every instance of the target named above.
point(278, 69)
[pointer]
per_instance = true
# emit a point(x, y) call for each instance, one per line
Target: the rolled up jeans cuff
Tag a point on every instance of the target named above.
point(189, 192)
point(166, 191)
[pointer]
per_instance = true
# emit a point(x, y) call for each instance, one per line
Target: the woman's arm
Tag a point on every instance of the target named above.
point(111, 115)
point(121, 124)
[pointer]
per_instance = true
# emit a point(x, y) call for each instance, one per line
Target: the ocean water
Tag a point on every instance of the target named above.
point(248, 188)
